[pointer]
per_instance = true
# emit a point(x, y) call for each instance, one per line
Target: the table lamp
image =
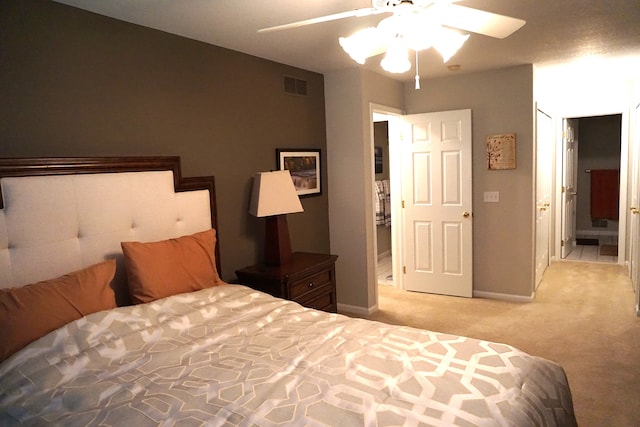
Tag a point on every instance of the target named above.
point(273, 197)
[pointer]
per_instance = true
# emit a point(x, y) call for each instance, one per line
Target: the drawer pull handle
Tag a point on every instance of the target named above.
point(311, 285)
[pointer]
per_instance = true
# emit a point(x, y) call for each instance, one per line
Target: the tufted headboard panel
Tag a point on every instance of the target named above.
point(61, 215)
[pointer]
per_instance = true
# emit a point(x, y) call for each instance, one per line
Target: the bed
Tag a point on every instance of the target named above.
point(114, 314)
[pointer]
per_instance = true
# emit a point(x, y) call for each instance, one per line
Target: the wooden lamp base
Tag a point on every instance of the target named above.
point(277, 245)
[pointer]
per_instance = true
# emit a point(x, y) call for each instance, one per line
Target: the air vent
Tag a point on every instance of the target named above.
point(295, 86)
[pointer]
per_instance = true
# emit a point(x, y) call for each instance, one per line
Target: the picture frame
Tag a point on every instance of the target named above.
point(304, 167)
point(501, 151)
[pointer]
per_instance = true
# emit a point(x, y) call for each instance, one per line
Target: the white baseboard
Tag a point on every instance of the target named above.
point(354, 309)
point(503, 297)
point(384, 254)
point(362, 311)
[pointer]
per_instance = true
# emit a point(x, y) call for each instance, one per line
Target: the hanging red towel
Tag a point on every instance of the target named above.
point(605, 193)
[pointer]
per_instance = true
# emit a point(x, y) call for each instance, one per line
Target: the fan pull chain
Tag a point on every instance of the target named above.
point(417, 74)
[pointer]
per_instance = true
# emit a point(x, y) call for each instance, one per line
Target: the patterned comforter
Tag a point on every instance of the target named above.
point(233, 356)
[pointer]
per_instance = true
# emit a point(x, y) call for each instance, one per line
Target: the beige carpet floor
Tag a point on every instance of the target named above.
point(583, 317)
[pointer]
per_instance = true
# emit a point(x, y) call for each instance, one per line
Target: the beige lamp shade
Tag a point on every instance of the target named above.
point(274, 194)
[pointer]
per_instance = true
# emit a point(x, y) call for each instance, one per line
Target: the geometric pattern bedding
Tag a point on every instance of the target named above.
point(229, 355)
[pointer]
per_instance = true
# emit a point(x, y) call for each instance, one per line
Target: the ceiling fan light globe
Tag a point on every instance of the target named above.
point(421, 38)
point(397, 58)
point(352, 50)
point(363, 44)
point(448, 43)
point(391, 26)
point(417, 27)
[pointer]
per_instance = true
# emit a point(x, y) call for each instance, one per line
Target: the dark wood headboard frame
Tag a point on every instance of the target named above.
point(38, 166)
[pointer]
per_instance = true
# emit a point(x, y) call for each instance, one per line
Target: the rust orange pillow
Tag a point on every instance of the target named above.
point(32, 311)
point(168, 267)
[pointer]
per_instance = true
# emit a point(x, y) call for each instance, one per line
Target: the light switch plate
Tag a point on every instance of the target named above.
point(491, 196)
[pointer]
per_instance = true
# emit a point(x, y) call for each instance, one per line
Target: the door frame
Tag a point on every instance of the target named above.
point(545, 208)
point(625, 142)
point(395, 180)
point(634, 238)
point(394, 116)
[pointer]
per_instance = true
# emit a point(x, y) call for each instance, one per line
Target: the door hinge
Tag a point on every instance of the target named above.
point(403, 204)
point(404, 269)
point(563, 189)
point(562, 243)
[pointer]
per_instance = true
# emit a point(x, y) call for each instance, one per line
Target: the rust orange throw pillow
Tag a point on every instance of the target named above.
point(32, 311)
point(161, 269)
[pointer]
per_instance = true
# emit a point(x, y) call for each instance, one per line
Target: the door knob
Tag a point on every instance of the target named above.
point(466, 214)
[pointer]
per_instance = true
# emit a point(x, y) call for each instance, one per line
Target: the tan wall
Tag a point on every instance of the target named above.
point(345, 153)
point(78, 84)
point(348, 94)
point(73, 83)
point(501, 101)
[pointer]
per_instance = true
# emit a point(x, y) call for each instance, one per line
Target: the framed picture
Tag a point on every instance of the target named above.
point(501, 151)
point(304, 167)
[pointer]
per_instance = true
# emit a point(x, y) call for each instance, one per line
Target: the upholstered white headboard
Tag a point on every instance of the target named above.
point(61, 215)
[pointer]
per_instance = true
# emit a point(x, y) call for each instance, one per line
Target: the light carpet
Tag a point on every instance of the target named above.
point(583, 317)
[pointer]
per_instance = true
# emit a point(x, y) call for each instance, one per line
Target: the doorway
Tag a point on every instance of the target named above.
point(382, 198)
point(387, 250)
point(429, 170)
point(592, 219)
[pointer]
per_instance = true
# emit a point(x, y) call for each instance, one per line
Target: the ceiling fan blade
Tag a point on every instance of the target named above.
point(480, 22)
point(349, 14)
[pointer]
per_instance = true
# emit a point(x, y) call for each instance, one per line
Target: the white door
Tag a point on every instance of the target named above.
point(436, 189)
point(544, 157)
point(569, 179)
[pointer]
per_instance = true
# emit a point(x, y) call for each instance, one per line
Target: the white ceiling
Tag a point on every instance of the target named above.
point(556, 31)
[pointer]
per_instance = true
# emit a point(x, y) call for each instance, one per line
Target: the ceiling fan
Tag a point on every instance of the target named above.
point(415, 25)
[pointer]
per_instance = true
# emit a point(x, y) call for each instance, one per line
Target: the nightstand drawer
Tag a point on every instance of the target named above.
point(311, 283)
point(324, 300)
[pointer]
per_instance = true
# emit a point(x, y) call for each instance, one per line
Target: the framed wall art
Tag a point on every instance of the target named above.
point(501, 151)
point(304, 167)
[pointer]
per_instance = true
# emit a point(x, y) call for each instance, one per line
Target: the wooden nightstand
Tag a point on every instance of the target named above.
point(309, 279)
